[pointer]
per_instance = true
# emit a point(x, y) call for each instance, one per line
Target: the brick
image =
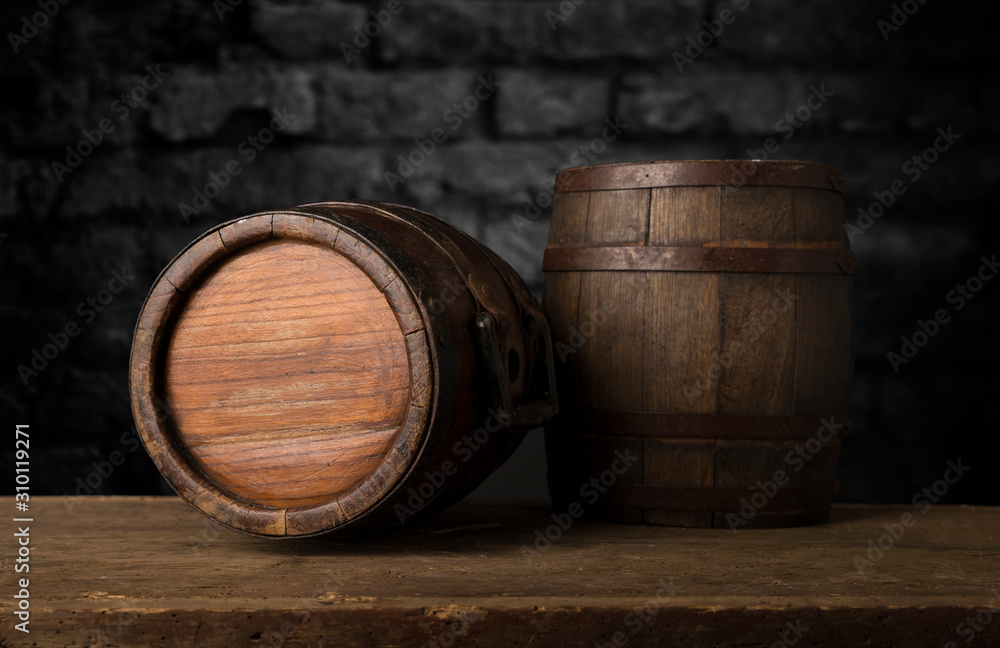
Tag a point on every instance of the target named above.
point(522, 247)
point(640, 30)
point(80, 262)
point(522, 30)
point(101, 393)
point(380, 106)
point(477, 170)
point(446, 31)
point(308, 31)
point(106, 184)
point(465, 213)
point(903, 261)
point(545, 104)
point(958, 180)
point(807, 34)
point(932, 100)
point(52, 113)
point(861, 103)
point(11, 173)
point(195, 103)
point(707, 102)
point(303, 175)
point(275, 179)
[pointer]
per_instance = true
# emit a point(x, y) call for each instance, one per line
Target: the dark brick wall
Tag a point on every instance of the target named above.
point(548, 75)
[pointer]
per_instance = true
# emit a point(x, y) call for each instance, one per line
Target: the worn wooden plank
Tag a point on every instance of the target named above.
point(758, 217)
point(141, 571)
point(685, 216)
point(822, 344)
point(609, 336)
point(569, 218)
point(822, 310)
point(681, 329)
point(618, 217)
point(819, 218)
point(757, 357)
point(679, 462)
point(756, 323)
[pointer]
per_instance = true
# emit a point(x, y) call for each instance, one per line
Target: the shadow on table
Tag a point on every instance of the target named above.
point(479, 527)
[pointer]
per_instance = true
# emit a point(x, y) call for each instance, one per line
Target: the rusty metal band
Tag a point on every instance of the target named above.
point(700, 173)
point(720, 500)
point(697, 259)
point(672, 425)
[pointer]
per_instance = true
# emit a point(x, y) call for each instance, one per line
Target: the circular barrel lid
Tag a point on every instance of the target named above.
point(281, 376)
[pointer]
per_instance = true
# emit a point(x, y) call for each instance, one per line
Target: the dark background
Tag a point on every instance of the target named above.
point(61, 239)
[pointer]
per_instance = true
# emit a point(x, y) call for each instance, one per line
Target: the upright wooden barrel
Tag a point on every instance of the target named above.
point(336, 367)
point(701, 317)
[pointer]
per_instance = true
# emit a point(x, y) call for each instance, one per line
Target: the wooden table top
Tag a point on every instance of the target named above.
point(151, 571)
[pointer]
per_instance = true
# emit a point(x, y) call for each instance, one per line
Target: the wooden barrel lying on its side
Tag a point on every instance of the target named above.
point(701, 317)
point(336, 367)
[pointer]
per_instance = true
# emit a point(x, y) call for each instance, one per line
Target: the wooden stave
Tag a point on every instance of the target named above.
point(563, 438)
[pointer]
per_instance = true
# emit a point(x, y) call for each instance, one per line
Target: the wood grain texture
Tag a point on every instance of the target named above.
point(618, 216)
point(287, 375)
point(140, 572)
point(304, 371)
point(686, 216)
point(748, 340)
point(569, 218)
point(757, 217)
point(757, 329)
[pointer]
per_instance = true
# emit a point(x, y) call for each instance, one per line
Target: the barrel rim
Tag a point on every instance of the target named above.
point(651, 174)
point(157, 316)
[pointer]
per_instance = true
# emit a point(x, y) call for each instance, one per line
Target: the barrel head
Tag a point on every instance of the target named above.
point(281, 375)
